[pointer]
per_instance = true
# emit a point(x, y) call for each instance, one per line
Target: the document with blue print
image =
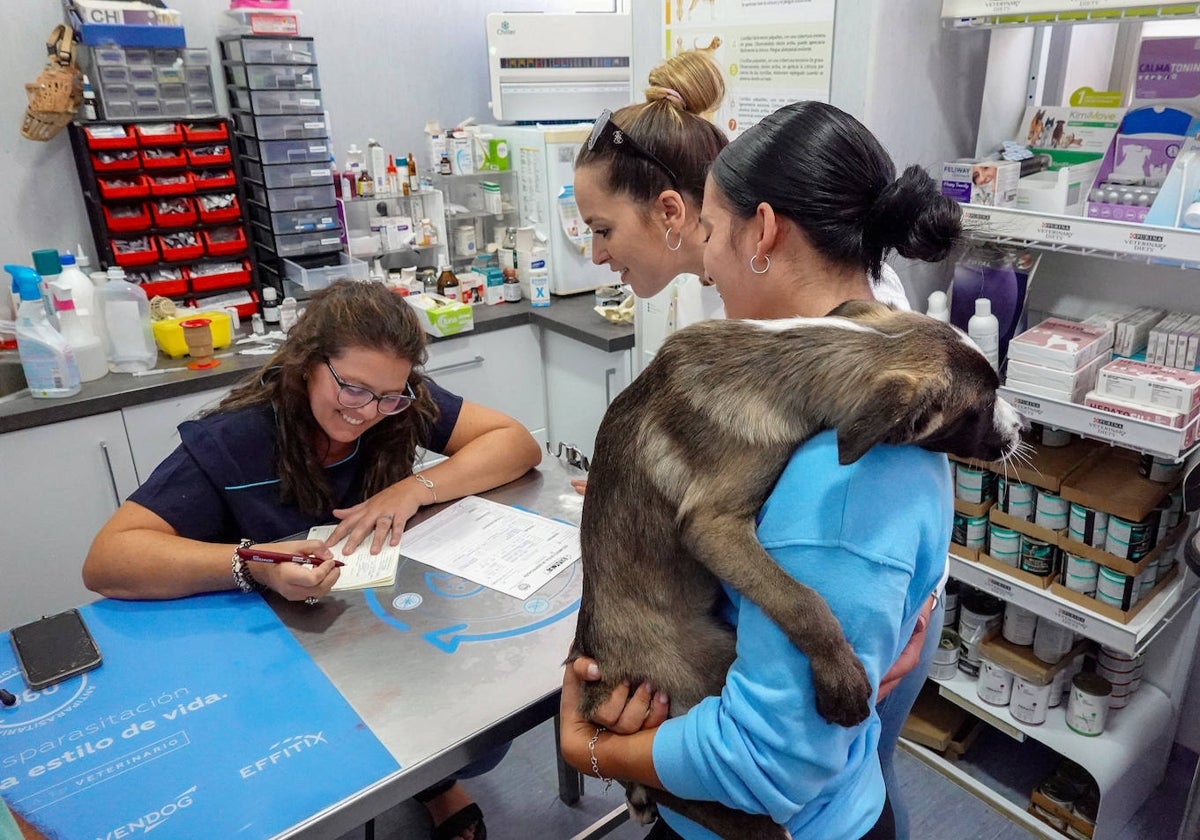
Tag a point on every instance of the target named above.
point(206, 719)
point(512, 551)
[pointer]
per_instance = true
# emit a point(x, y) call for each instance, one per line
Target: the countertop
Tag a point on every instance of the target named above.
point(570, 316)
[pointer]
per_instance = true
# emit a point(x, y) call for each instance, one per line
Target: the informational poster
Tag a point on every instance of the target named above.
point(771, 52)
point(206, 719)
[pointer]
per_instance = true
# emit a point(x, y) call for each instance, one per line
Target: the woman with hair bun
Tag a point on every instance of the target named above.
point(799, 213)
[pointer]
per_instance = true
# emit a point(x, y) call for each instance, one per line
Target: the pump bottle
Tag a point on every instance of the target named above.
point(984, 330)
point(46, 357)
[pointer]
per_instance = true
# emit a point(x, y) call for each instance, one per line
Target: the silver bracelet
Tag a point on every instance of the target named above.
point(595, 764)
point(241, 576)
point(428, 483)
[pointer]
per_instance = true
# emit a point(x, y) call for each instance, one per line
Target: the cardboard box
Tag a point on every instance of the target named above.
point(992, 183)
point(971, 555)
point(491, 154)
point(972, 508)
point(941, 725)
point(441, 316)
point(1021, 661)
point(1120, 564)
point(1123, 616)
point(1113, 484)
point(1061, 344)
point(1041, 582)
point(1037, 798)
point(1048, 465)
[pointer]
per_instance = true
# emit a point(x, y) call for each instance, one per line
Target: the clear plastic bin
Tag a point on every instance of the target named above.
point(118, 93)
point(289, 174)
point(299, 198)
point(172, 90)
point(108, 55)
point(317, 273)
point(197, 55)
point(273, 76)
point(273, 102)
point(200, 107)
point(198, 75)
point(299, 244)
point(143, 73)
point(147, 108)
point(310, 126)
point(284, 151)
point(145, 92)
point(166, 57)
point(271, 50)
point(297, 221)
point(118, 110)
point(175, 108)
point(169, 74)
point(138, 56)
point(113, 73)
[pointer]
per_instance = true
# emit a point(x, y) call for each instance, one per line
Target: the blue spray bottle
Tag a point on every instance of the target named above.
point(49, 363)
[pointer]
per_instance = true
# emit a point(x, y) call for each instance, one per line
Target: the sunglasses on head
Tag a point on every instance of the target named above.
point(607, 131)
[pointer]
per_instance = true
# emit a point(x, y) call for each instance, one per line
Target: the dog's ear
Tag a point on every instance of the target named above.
point(889, 414)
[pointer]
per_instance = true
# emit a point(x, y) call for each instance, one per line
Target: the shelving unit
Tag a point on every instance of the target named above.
point(467, 191)
point(1129, 758)
point(363, 217)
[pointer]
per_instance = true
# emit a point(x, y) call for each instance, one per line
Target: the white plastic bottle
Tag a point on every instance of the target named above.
point(124, 310)
point(984, 330)
point(80, 288)
point(48, 267)
point(49, 364)
point(938, 308)
point(88, 349)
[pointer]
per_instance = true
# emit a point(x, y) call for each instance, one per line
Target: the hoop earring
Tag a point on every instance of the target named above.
point(678, 242)
point(766, 268)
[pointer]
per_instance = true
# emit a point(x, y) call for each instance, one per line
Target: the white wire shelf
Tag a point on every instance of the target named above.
point(990, 14)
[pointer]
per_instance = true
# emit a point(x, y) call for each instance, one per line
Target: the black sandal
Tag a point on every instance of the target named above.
point(468, 817)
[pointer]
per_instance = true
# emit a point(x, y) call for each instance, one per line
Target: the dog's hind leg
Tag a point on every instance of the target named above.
point(727, 546)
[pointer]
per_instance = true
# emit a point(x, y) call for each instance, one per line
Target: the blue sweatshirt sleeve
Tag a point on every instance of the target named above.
point(760, 746)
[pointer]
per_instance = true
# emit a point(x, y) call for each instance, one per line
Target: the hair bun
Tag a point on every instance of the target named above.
point(660, 94)
point(688, 80)
point(911, 216)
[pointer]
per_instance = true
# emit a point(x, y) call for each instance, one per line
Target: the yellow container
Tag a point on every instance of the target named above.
point(169, 335)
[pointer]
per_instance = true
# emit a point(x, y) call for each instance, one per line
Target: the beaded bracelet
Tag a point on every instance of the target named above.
point(241, 576)
point(595, 764)
point(428, 483)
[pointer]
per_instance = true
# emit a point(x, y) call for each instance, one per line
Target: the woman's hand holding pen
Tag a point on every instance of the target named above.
point(296, 581)
point(381, 518)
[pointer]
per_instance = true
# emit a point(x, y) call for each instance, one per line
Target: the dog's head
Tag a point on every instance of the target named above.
point(930, 386)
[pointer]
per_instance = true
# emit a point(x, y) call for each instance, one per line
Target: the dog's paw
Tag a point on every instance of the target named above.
point(843, 690)
point(639, 804)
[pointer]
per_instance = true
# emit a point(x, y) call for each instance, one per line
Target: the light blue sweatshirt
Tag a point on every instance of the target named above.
point(871, 538)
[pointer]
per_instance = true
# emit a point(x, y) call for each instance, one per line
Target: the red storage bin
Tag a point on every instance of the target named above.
point(117, 160)
point(205, 132)
point(140, 187)
point(180, 253)
point(149, 138)
point(216, 243)
point(174, 287)
point(171, 184)
point(119, 222)
point(224, 280)
point(214, 179)
point(205, 156)
point(125, 141)
point(127, 256)
point(216, 215)
point(168, 215)
point(156, 159)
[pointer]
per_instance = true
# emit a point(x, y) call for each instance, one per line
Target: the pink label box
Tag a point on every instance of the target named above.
point(1151, 385)
point(1060, 344)
point(1157, 416)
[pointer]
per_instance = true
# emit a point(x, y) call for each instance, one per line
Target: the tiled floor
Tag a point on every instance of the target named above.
point(520, 798)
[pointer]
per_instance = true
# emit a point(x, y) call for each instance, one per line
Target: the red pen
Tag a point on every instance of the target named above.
point(257, 555)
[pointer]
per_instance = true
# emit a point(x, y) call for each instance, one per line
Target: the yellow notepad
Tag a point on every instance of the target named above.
point(363, 570)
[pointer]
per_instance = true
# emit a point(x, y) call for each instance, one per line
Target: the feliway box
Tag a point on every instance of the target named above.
point(1060, 344)
point(992, 183)
point(1151, 385)
point(441, 316)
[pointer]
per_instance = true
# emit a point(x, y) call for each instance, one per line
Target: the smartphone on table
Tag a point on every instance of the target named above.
point(54, 648)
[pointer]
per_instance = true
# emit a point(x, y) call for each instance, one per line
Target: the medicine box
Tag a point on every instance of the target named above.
point(1063, 191)
point(1157, 416)
point(1060, 344)
point(1151, 385)
point(992, 182)
point(441, 316)
point(1071, 386)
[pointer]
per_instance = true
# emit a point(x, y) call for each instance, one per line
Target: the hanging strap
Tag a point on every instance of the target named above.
point(61, 45)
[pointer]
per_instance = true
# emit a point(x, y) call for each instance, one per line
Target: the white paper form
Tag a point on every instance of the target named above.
point(363, 569)
point(497, 546)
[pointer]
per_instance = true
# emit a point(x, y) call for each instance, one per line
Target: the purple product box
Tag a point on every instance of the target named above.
point(1168, 68)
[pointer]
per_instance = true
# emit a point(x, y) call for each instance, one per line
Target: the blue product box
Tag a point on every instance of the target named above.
point(129, 35)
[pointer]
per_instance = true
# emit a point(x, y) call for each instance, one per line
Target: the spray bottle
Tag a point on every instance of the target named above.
point(88, 349)
point(48, 265)
point(46, 357)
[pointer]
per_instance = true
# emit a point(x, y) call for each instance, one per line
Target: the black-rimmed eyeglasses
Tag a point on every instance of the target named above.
point(605, 130)
point(354, 396)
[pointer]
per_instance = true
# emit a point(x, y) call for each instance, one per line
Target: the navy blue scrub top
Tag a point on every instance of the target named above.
point(221, 484)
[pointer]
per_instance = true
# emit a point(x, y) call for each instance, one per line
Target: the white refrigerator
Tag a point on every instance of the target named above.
point(544, 160)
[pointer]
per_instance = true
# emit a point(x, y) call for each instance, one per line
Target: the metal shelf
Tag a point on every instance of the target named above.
point(990, 14)
point(1082, 235)
point(1130, 638)
point(1126, 432)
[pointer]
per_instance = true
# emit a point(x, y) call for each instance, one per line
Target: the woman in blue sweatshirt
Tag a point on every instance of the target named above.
point(799, 212)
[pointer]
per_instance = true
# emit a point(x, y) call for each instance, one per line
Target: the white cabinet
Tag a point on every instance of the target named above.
point(580, 383)
point(152, 427)
point(61, 483)
point(500, 370)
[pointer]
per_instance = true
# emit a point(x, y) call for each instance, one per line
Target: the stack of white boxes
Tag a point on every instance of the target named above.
point(1175, 341)
point(1153, 393)
point(1058, 359)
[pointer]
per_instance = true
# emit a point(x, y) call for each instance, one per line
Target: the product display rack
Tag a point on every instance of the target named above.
point(363, 217)
point(466, 191)
point(280, 131)
point(1128, 759)
point(125, 180)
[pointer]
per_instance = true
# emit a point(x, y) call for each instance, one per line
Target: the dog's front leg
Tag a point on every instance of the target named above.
point(727, 546)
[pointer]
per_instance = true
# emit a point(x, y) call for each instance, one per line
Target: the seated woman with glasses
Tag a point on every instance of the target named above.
point(328, 430)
